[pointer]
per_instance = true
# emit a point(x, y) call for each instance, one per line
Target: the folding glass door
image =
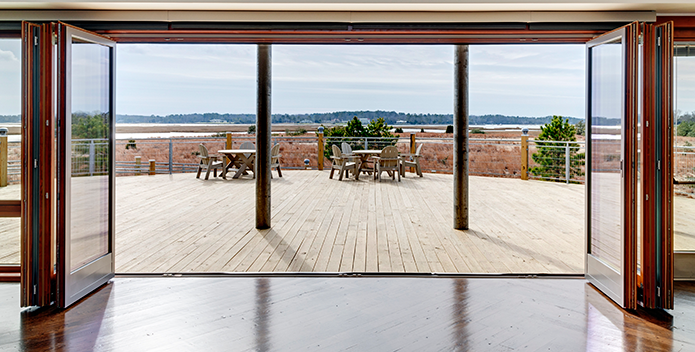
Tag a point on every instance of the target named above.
point(82, 70)
point(628, 222)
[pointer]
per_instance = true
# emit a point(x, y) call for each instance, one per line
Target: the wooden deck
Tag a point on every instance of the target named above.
point(181, 224)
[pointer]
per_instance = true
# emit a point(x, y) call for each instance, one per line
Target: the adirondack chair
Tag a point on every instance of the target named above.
point(346, 148)
point(367, 168)
point(275, 160)
point(388, 160)
point(341, 162)
point(412, 160)
point(208, 162)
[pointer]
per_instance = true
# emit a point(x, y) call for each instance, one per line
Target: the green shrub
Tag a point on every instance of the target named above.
point(551, 158)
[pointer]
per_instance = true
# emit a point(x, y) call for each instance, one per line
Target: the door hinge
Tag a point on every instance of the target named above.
point(36, 163)
point(34, 288)
point(658, 41)
point(658, 291)
point(36, 41)
point(658, 163)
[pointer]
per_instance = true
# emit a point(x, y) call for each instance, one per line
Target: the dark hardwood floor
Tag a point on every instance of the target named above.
point(359, 314)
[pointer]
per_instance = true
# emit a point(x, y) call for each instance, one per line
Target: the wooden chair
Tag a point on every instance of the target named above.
point(341, 162)
point(412, 160)
point(208, 162)
point(275, 160)
point(347, 150)
point(388, 160)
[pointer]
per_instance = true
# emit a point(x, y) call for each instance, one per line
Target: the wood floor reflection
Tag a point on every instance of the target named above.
point(332, 314)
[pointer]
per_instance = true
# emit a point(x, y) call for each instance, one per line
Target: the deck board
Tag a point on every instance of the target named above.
point(176, 223)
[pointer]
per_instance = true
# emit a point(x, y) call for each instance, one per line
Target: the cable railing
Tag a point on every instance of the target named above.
point(545, 160)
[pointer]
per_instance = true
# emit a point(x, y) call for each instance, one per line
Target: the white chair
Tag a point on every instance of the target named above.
point(388, 161)
point(412, 160)
point(341, 162)
point(275, 160)
point(208, 162)
point(346, 148)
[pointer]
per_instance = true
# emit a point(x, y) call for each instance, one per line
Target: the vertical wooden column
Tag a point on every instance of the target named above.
point(321, 146)
point(263, 134)
point(228, 145)
point(3, 157)
point(138, 163)
point(461, 138)
point(412, 148)
point(524, 155)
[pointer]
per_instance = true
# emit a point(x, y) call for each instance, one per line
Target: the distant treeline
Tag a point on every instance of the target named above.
point(391, 118)
point(9, 118)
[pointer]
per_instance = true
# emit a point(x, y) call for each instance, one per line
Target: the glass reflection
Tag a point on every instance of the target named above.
point(606, 116)
point(684, 149)
point(9, 240)
point(11, 117)
point(90, 161)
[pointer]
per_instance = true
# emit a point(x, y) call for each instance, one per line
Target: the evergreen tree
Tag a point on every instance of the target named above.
point(551, 156)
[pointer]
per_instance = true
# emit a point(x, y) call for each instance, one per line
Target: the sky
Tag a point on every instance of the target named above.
point(10, 77)
point(524, 80)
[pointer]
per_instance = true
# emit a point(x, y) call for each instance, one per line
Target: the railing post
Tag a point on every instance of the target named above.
point(412, 148)
point(152, 167)
point(91, 157)
point(171, 156)
point(320, 165)
point(366, 143)
point(137, 165)
point(3, 159)
point(567, 162)
point(524, 156)
point(229, 144)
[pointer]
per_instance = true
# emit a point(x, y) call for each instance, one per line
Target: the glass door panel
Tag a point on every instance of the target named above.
point(606, 152)
point(89, 130)
point(86, 76)
point(684, 148)
point(10, 147)
point(610, 113)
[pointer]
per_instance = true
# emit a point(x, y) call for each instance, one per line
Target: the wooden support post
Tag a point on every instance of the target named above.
point(228, 145)
point(412, 148)
point(320, 156)
point(524, 157)
point(152, 167)
point(3, 160)
point(263, 135)
point(461, 138)
point(137, 165)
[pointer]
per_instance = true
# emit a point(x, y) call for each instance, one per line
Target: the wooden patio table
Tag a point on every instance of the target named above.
point(239, 155)
point(364, 155)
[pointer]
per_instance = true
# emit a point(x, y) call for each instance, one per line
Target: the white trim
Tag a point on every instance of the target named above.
point(330, 16)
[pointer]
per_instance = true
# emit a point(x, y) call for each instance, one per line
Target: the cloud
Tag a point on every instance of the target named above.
point(7, 56)
point(531, 80)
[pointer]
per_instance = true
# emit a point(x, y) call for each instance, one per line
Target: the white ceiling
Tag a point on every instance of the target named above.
point(660, 7)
